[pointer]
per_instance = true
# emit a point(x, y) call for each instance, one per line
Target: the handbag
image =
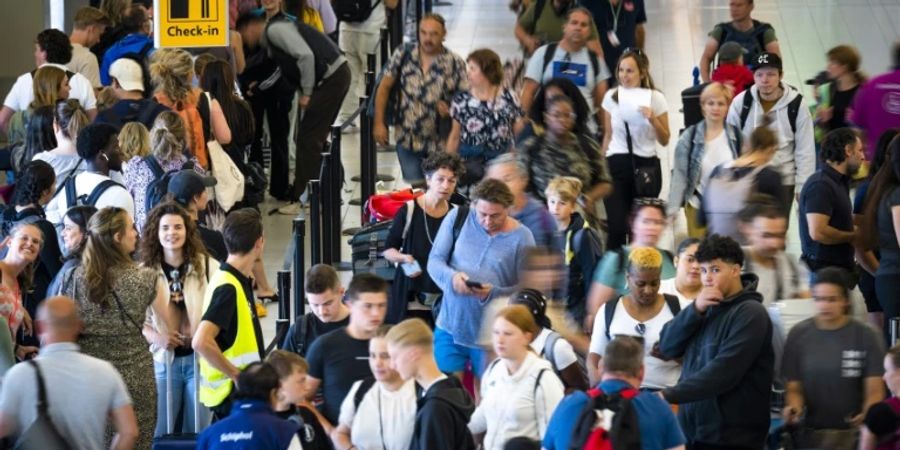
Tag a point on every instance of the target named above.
point(647, 178)
point(42, 433)
point(229, 187)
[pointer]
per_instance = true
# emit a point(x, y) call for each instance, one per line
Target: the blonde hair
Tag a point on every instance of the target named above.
point(170, 121)
point(172, 70)
point(46, 84)
point(645, 258)
point(102, 255)
point(716, 89)
point(115, 9)
point(521, 318)
point(411, 333)
point(134, 140)
point(286, 363)
point(566, 188)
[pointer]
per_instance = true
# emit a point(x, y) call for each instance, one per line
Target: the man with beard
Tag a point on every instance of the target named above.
point(826, 217)
point(542, 22)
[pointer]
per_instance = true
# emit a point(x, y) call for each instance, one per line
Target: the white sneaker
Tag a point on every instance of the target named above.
point(291, 209)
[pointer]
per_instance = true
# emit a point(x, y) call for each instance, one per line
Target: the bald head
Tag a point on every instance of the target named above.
point(58, 320)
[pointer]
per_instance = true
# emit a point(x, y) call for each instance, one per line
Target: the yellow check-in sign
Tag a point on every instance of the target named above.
point(190, 23)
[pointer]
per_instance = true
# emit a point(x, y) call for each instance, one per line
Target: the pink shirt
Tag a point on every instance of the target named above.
point(876, 108)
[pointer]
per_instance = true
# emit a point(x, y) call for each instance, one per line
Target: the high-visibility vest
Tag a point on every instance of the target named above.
point(215, 385)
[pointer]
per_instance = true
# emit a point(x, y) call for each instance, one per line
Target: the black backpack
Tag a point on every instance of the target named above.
point(671, 301)
point(353, 10)
point(623, 431)
point(753, 44)
point(73, 199)
point(793, 109)
point(159, 187)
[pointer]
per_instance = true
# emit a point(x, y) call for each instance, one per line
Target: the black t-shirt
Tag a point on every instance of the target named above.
point(826, 192)
point(175, 278)
point(311, 433)
point(622, 18)
point(301, 337)
point(124, 111)
point(222, 311)
point(420, 237)
point(840, 101)
point(214, 243)
point(338, 360)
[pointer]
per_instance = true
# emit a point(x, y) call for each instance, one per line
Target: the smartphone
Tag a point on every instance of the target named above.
point(474, 284)
point(410, 269)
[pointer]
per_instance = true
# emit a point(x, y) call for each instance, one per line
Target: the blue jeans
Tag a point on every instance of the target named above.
point(411, 165)
point(183, 397)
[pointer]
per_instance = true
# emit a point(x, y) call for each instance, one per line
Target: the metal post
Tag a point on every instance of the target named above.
point(284, 294)
point(895, 330)
point(299, 263)
point(396, 22)
point(419, 14)
point(337, 181)
point(325, 186)
point(428, 7)
point(385, 45)
point(315, 223)
point(367, 167)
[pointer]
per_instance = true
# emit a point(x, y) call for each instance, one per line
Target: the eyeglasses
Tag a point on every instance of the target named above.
point(640, 328)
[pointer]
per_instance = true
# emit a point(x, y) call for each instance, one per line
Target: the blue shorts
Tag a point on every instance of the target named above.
point(452, 357)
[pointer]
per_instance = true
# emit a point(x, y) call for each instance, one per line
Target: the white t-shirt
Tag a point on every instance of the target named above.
point(85, 63)
point(563, 353)
point(85, 182)
point(22, 93)
point(386, 420)
point(658, 374)
point(643, 135)
point(668, 287)
point(377, 19)
point(576, 67)
point(717, 151)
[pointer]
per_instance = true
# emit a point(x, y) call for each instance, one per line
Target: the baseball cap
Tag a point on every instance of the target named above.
point(128, 73)
point(185, 184)
point(767, 60)
point(730, 51)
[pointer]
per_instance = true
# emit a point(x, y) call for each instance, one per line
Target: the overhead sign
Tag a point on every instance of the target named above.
point(190, 23)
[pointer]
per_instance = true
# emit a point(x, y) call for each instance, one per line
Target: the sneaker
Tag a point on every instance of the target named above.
point(291, 209)
point(261, 310)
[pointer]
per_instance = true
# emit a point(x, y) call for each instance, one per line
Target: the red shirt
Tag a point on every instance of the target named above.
point(739, 77)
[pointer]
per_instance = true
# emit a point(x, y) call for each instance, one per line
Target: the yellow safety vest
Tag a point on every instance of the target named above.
point(215, 385)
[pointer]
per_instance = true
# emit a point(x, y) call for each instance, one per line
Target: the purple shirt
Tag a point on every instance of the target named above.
point(877, 108)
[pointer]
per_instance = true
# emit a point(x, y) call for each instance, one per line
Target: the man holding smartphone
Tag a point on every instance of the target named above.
point(479, 263)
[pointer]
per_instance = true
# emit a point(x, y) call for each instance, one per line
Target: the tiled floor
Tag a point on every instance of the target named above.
point(676, 34)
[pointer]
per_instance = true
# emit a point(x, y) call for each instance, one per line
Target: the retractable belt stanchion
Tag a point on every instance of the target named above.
point(370, 92)
point(895, 330)
point(315, 222)
point(326, 217)
point(368, 160)
point(334, 196)
point(299, 263)
point(385, 56)
point(284, 294)
point(396, 20)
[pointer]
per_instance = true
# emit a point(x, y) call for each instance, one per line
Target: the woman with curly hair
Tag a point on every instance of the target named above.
point(172, 71)
point(171, 246)
point(113, 295)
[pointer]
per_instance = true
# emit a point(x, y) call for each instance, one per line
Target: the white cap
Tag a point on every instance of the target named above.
point(128, 73)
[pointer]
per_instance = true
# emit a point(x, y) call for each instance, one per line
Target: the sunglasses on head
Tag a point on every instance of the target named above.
point(650, 201)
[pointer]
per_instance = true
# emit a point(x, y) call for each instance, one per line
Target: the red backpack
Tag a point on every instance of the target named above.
point(607, 422)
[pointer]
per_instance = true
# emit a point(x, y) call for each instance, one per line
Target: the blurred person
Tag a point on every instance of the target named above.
point(732, 183)
point(641, 313)
point(291, 403)
point(50, 85)
point(171, 247)
point(444, 408)
point(81, 415)
point(483, 116)
point(423, 101)
point(536, 116)
point(701, 147)
point(411, 238)
point(378, 412)
point(339, 358)
point(623, 373)
point(51, 48)
point(69, 118)
point(827, 232)
point(774, 104)
point(39, 137)
point(629, 146)
point(561, 152)
point(766, 232)
point(519, 390)
point(686, 284)
point(648, 220)
point(327, 310)
point(833, 390)
point(98, 147)
point(88, 25)
point(472, 267)
point(836, 96)
point(129, 87)
point(73, 236)
point(252, 422)
point(526, 209)
point(755, 37)
point(229, 337)
point(731, 70)
point(725, 342)
point(872, 110)
point(113, 295)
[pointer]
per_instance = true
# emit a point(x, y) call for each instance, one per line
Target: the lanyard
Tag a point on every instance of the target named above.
point(615, 13)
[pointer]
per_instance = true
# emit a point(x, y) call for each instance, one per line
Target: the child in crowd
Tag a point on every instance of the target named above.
point(731, 70)
point(292, 404)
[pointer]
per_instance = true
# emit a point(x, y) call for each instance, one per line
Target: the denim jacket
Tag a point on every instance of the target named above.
point(688, 161)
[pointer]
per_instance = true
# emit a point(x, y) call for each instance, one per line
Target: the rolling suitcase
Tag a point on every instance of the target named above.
point(176, 441)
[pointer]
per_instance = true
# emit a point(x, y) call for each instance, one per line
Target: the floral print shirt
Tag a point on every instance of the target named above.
point(420, 92)
point(138, 177)
point(486, 124)
point(579, 158)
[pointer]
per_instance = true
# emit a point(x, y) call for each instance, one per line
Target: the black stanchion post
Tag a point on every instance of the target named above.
point(299, 263)
point(895, 330)
point(427, 7)
point(315, 223)
point(366, 169)
point(396, 21)
point(384, 45)
point(419, 14)
point(337, 181)
point(327, 217)
point(284, 294)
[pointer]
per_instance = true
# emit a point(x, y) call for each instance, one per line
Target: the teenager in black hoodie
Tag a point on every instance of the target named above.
point(725, 342)
point(444, 409)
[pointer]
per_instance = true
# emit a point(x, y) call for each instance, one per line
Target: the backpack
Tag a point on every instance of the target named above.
point(364, 387)
point(753, 44)
point(548, 353)
point(725, 195)
point(551, 49)
point(73, 199)
point(295, 341)
point(159, 187)
point(353, 11)
point(583, 252)
point(793, 109)
point(607, 422)
point(671, 301)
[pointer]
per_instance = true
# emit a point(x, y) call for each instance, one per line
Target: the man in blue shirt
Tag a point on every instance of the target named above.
point(623, 367)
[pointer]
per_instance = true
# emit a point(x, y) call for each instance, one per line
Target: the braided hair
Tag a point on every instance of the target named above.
point(32, 182)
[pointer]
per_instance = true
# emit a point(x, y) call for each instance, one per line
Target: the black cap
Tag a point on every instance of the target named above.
point(185, 184)
point(820, 79)
point(767, 60)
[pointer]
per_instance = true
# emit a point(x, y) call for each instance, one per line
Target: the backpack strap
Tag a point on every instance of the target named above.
point(548, 351)
point(745, 107)
point(793, 110)
point(364, 387)
point(548, 55)
point(461, 215)
point(42, 404)
point(157, 169)
point(595, 62)
point(71, 192)
point(610, 312)
point(538, 9)
point(410, 206)
point(673, 304)
point(98, 191)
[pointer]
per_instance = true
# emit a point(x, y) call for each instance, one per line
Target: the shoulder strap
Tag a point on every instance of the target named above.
point(548, 56)
point(461, 215)
point(610, 312)
point(98, 191)
point(42, 405)
point(364, 387)
point(548, 351)
point(157, 169)
point(69, 176)
point(538, 9)
point(410, 206)
point(745, 107)
point(793, 110)
point(71, 192)
point(595, 62)
point(673, 304)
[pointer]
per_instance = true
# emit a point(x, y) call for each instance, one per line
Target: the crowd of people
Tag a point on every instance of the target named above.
point(532, 298)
